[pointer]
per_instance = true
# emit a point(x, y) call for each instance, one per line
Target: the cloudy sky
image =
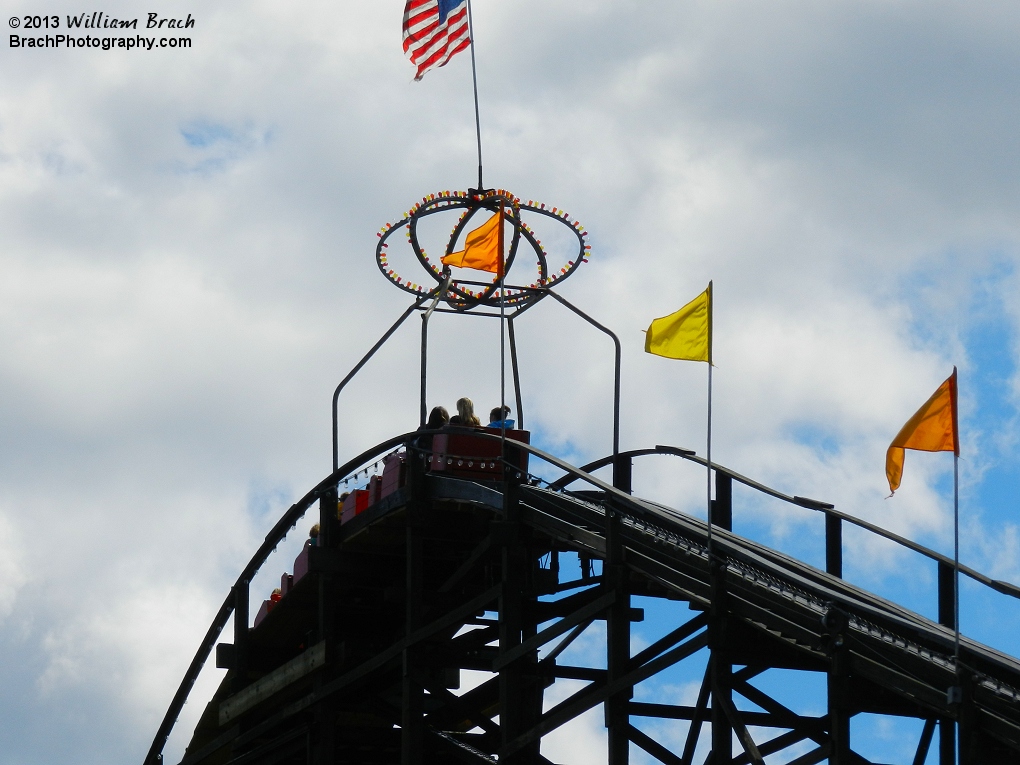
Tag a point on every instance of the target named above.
point(187, 271)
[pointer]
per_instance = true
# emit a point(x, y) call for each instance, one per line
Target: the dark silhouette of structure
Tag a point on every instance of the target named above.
point(450, 561)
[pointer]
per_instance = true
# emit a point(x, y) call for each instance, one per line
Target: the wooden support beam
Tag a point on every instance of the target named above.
point(777, 744)
point(586, 698)
point(653, 747)
point(623, 467)
point(927, 733)
point(550, 658)
point(807, 725)
point(722, 505)
point(241, 596)
point(947, 618)
point(784, 717)
point(412, 685)
point(694, 732)
point(480, 551)
point(743, 735)
point(812, 757)
point(323, 734)
point(839, 712)
point(885, 676)
point(455, 707)
point(511, 627)
point(668, 641)
point(720, 667)
point(271, 684)
point(585, 614)
point(834, 545)
point(618, 661)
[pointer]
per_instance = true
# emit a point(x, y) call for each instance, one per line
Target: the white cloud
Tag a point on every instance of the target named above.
point(187, 274)
point(12, 573)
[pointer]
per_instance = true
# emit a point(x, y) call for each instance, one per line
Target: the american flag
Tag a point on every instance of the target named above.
point(434, 31)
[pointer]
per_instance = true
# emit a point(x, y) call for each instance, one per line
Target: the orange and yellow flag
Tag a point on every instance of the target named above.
point(483, 248)
point(933, 428)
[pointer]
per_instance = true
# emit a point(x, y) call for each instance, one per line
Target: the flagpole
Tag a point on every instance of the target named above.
point(956, 559)
point(708, 465)
point(708, 440)
point(502, 328)
point(474, 82)
point(954, 406)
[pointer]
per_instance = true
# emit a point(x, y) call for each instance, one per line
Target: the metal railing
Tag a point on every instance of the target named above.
point(834, 518)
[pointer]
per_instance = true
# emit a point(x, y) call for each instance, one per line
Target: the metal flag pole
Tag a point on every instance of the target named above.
point(708, 463)
point(502, 330)
point(956, 558)
point(955, 693)
point(708, 445)
point(474, 82)
point(953, 399)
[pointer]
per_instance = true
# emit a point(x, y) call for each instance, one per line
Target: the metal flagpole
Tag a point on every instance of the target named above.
point(474, 82)
point(708, 459)
point(708, 446)
point(502, 332)
point(956, 558)
point(954, 398)
point(955, 694)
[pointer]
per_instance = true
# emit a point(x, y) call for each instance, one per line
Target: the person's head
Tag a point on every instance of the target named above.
point(314, 531)
point(465, 408)
point(438, 417)
point(499, 413)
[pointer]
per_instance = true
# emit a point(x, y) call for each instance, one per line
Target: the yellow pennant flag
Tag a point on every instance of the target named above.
point(686, 334)
point(483, 248)
point(933, 428)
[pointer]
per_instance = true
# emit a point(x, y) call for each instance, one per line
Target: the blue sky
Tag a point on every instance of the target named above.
point(187, 272)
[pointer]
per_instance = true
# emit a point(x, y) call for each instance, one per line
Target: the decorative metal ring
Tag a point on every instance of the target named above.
point(464, 297)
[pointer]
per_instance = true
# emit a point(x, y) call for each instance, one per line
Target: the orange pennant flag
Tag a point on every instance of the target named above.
point(933, 428)
point(483, 248)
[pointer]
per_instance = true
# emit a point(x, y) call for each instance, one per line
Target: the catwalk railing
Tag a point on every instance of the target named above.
point(237, 601)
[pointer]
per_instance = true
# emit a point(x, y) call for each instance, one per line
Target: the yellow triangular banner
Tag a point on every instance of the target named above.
point(686, 334)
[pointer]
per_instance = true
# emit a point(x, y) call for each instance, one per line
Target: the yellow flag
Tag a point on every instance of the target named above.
point(483, 248)
point(686, 334)
point(933, 428)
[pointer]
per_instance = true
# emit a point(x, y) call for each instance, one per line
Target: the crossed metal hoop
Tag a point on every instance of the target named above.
point(460, 295)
